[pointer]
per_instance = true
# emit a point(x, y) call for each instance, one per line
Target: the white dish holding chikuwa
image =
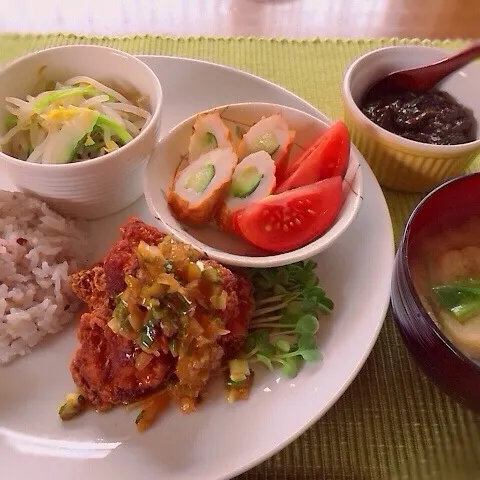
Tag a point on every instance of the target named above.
point(228, 248)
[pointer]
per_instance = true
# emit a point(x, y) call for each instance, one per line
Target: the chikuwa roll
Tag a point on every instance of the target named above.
point(272, 135)
point(252, 180)
point(197, 189)
point(209, 132)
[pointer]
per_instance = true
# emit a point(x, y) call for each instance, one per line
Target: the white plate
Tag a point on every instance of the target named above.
point(219, 440)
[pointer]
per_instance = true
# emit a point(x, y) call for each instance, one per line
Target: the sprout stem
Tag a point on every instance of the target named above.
point(274, 308)
point(288, 332)
point(255, 326)
point(264, 301)
point(272, 319)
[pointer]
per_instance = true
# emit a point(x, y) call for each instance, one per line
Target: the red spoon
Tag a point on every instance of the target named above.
point(421, 79)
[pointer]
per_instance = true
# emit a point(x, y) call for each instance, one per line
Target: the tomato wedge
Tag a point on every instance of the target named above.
point(283, 222)
point(326, 157)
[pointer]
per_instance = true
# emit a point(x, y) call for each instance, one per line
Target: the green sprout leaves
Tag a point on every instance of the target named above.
point(288, 302)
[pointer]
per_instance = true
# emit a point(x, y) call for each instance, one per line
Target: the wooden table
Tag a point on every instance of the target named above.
point(268, 18)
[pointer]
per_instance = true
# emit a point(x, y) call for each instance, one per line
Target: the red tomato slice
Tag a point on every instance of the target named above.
point(297, 161)
point(235, 226)
point(291, 219)
point(281, 163)
point(327, 157)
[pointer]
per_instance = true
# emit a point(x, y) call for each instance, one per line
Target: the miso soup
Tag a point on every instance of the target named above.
point(445, 269)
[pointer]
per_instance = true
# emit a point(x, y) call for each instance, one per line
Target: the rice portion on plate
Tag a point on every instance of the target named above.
point(39, 249)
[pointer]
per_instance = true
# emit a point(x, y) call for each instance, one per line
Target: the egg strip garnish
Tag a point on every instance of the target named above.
point(79, 119)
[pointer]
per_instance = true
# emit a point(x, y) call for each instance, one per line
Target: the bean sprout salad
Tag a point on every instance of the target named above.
point(72, 121)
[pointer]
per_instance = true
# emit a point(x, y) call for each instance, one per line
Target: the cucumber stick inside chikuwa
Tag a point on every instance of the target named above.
point(273, 136)
point(267, 142)
point(200, 180)
point(246, 181)
point(253, 179)
point(210, 141)
point(200, 186)
point(209, 132)
point(270, 134)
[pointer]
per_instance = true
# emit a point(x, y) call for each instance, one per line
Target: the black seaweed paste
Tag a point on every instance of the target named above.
point(433, 117)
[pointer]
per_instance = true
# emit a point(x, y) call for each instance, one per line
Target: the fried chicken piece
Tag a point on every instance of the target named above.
point(195, 370)
point(91, 287)
point(134, 230)
point(121, 258)
point(239, 311)
point(193, 373)
point(119, 261)
point(103, 366)
point(97, 285)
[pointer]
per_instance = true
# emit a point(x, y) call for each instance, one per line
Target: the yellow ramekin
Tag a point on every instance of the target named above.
point(399, 163)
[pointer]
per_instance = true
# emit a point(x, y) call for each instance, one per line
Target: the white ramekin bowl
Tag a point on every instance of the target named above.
point(97, 187)
point(397, 162)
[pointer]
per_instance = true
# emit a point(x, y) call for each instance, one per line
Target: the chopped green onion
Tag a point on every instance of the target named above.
point(169, 266)
point(211, 274)
point(461, 299)
point(233, 383)
point(178, 302)
point(121, 314)
point(73, 405)
point(157, 313)
point(239, 370)
point(147, 336)
point(172, 345)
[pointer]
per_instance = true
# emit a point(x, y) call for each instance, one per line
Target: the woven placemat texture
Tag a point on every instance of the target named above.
point(392, 423)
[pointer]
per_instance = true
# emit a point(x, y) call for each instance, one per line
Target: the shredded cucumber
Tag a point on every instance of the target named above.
point(116, 129)
point(59, 94)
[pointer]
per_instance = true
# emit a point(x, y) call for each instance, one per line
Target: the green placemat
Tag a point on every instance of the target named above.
point(392, 423)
